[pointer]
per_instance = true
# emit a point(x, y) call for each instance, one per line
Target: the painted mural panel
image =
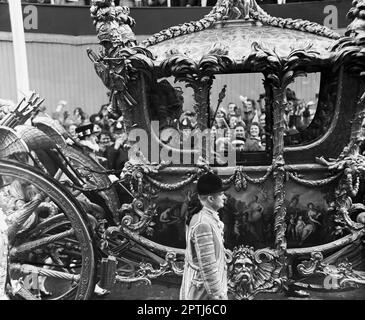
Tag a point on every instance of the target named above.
point(248, 216)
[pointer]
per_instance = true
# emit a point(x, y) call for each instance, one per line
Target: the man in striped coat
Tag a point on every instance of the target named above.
point(205, 271)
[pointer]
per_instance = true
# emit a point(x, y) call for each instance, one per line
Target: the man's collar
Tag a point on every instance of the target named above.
point(212, 212)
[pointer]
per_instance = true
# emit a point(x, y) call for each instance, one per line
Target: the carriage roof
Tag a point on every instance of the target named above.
point(237, 39)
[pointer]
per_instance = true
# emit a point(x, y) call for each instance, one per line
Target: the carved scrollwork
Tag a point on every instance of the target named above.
point(253, 272)
point(136, 219)
point(342, 273)
point(170, 265)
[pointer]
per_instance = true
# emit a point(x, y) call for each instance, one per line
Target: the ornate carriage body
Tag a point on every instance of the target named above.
point(288, 200)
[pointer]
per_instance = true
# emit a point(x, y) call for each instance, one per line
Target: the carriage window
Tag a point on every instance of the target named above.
point(238, 119)
point(172, 106)
point(301, 125)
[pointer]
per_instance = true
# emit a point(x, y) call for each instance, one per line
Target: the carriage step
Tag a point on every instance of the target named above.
point(108, 271)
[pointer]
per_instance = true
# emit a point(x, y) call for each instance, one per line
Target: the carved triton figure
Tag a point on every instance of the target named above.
point(249, 275)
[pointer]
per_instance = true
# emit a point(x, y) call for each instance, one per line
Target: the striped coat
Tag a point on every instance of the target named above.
point(205, 271)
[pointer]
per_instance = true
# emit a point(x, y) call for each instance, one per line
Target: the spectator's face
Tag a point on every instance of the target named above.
point(220, 114)
point(104, 139)
point(228, 134)
point(240, 132)
point(72, 130)
point(232, 108)
point(254, 131)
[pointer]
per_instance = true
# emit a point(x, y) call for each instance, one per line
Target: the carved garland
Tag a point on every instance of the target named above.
point(226, 10)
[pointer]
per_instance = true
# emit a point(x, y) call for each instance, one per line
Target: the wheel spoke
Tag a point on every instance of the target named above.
point(18, 218)
point(40, 242)
point(29, 269)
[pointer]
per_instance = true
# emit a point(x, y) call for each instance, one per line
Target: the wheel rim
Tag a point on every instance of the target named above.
point(47, 252)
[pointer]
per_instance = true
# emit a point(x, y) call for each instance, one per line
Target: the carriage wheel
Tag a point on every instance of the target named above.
point(50, 250)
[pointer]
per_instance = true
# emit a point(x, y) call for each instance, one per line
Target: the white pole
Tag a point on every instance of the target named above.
point(20, 54)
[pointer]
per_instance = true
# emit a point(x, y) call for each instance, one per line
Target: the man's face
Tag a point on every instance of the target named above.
point(240, 132)
point(217, 200)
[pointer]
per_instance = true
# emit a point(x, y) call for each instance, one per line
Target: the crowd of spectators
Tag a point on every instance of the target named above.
point(243, 128)
point(101, 136)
